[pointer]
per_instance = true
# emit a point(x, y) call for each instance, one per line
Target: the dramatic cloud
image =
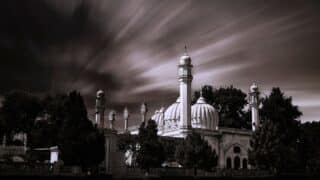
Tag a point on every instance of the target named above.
point(131, 48)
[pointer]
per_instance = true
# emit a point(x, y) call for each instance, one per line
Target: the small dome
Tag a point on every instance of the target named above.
point(185, 59)
point(100, 93)
point(172, 114)
point(203, 115)
point(254, 88)
point(158, 117)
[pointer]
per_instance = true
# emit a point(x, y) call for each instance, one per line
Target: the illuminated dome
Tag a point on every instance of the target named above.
point(172, 114)
point(203, 115)
point(158, 116)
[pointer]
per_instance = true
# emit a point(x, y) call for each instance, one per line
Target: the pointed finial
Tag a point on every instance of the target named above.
point(126, 113)
point(201, 91)
point(144, 108)
point(185, 50)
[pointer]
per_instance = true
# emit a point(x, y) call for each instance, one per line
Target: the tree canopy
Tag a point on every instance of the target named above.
point(19, 111)
point(150, 153)
point(195, 152)
point(76, 136)
point(309, 146)
point(274, 144)
point(60, 120)
point(229, 102)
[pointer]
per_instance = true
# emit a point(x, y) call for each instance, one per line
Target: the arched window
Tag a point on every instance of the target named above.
point(236, 162)
point(244, 163)
point(229, 163)
point(236, 149)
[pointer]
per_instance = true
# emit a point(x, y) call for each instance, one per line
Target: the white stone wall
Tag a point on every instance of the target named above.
point(223, 142)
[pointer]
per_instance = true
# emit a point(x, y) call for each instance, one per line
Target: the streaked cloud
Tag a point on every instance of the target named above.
point(131, 48)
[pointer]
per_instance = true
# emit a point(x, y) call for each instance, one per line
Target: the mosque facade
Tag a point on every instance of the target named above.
point(180, 118)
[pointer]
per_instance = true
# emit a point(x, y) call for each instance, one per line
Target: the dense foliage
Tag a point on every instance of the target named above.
point(54, 121)
point(150, 152)
point(195, 152)
point(76, 136)
point(274, 145)
point(19, 111)
point(309, 146)
point(229, 102)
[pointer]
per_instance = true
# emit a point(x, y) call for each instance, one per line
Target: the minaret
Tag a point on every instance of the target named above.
point(112, 118)
point(144, 110)
point(254, 93)
point(126, 119)
point(100, 107)
point(185, 79)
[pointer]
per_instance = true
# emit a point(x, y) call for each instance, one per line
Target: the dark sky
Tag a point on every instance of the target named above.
point(131, 49)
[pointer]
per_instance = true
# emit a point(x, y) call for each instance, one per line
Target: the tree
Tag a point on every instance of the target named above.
point(169, 144)
point(2, 125)
point(274, 144)
point(19, 111)
point(150, 153)
point(229, 102)
point(309, 146)
point(128, 143)
point(42, 135)
point(195, 152)
point(207, 92)
point(79, 141)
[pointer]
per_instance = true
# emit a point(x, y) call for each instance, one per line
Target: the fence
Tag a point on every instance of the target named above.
point(136, 172)
point(38, 169)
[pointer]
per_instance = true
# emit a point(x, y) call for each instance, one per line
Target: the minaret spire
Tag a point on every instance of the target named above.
point(201, 91)
point(185, 79)
point(100, 108)
point(112, 118)
point(253, 94)
point(126, 119)
point(185, 50)
point(143, 110)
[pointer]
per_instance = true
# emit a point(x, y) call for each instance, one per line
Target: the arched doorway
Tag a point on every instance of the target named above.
point(228, 163)
point(244, 163)
point(237, 162)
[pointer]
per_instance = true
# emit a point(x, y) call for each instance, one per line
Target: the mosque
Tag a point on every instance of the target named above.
point(178, 119)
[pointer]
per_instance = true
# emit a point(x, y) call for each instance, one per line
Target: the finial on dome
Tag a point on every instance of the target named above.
point(185, 50)
point(144, 108)
point(201, 91)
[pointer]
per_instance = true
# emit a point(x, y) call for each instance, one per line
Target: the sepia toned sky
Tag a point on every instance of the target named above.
point(130, 48)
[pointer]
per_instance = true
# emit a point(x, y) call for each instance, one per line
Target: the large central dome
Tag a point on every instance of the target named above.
point(203, 115)
point(172, 114)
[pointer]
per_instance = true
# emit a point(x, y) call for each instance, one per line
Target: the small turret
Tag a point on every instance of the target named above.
point(112, 118)
point(254, 95)
point(144, 111)
point(100, 108)
point(126, 119)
